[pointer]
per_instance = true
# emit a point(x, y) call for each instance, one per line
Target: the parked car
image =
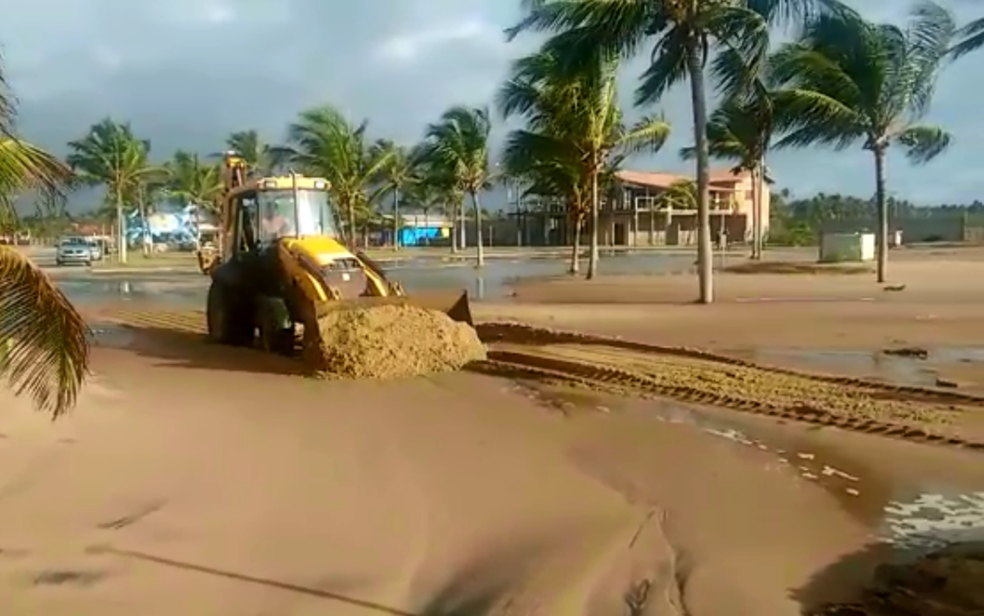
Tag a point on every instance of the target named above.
point(74, 251)
point(97, 250)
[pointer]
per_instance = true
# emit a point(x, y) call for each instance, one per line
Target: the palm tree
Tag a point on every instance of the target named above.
point(44, 344)
point(198, 184)
point(111, 156)
point(194, 181)
point(740, 131)
point(680, 195)
point(574, 117)
point(400, 173)
point(427, 197)
point(684, 34)
point(448, 195)
point(848, 80)
point(259, 156)
point(322, 142)
point(459, 142)
point(551, 176)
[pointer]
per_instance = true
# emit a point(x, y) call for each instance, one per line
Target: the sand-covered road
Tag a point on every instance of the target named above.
point(185, 490)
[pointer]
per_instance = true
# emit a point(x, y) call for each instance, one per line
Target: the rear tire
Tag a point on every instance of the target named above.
point(274, 337)
point(276, 340)
point(228, 322)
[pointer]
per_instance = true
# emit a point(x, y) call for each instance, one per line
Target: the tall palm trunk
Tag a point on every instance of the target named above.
point(453, 209)
point(576, 244)
point(760, 198)
point(396, 219)
point(462, 225)
point(479, 247)
point(144, 244)
point(426, 228)
point(120, 227)
point(352, 229)
point(881, 241)
point(593, 255)
point(698, 97)
point(756, 212)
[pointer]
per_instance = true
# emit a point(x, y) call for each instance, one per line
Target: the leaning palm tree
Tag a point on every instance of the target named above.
point(549, 174)
point(575, 114)
point(848, 80)
point(459, 142)
point(44, 345)
point(110, 155)
point(322, 142)
point(683, 34)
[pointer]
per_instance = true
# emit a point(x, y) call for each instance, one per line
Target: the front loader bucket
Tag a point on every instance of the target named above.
point(455, 304)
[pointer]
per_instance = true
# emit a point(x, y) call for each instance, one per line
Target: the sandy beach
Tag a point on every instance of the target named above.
point(212, 481)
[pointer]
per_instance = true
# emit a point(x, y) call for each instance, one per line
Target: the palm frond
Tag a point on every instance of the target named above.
point(924, 143)
point(809, 118)
point(667, 66)
point(971, 39)
point(647, 135)
point(46, 340)
point(25, 167)
point(929, 38)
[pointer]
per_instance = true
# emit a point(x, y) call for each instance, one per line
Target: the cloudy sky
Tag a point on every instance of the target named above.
point(188, 72)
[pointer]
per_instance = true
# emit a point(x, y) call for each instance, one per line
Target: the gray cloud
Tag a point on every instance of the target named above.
point(188, 72)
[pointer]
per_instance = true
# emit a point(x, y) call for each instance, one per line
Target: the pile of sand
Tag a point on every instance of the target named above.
point(385, 342)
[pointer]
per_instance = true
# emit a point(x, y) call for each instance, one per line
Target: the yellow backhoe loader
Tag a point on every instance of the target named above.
point(282, 263)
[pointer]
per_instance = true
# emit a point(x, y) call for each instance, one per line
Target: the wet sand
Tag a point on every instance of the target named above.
point(210, 481)
point(183, 488)
point(786, 319)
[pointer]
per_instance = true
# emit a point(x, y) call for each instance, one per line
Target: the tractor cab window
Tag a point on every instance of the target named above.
point(277, 216)
point(247, 221)
point(288, 214)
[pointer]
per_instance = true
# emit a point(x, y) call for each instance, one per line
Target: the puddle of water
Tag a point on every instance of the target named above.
point(492, 282)
point(900, 509)
point(956, 354)
point(184, 293)
point(933, 520)
point(893, 368)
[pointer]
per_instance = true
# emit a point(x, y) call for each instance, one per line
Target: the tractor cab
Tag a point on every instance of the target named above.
point(270, 209)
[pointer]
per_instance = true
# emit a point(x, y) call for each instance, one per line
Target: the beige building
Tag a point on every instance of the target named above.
point(636, 215)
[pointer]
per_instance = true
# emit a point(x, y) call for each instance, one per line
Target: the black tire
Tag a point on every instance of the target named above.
point(274, 337)
point(228, 322)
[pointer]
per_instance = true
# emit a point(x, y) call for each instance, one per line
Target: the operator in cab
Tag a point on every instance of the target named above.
point(277, 222)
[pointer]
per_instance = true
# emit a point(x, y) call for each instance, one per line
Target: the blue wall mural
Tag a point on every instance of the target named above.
point(419, 236)
point(168, 225)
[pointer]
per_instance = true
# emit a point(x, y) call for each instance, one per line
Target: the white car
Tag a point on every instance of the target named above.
point(75, 251)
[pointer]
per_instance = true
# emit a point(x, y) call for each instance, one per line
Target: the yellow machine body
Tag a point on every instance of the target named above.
point(273, 281)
